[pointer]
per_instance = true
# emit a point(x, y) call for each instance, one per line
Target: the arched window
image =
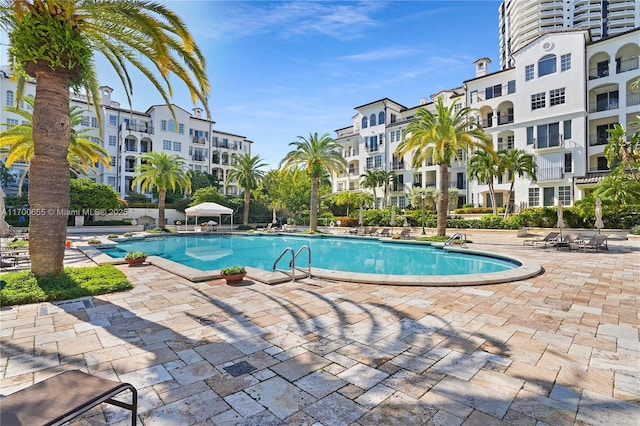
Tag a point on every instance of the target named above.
point(381, 117)
point(547, 65)
point(372, 120)
point(9, 98)
point(364, 122)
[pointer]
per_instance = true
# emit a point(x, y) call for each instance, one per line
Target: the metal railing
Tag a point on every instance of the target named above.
point(457, 236)
point(292, 262)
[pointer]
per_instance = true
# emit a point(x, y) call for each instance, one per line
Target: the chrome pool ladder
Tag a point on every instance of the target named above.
point(292, 262)
point(457, 236)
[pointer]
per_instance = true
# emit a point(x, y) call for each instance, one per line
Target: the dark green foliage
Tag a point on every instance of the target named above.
point(23, 287)
point(88, 195)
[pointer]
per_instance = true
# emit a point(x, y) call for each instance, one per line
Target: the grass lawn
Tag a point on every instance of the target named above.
point(23, 287)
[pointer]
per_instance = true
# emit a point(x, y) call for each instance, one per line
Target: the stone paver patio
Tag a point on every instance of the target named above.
point(559, 348)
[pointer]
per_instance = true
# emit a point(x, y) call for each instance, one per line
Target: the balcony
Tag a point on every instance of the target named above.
point(505, 119)
point(199, 140)
point(550, 173)
point(599, 72)
point(198, 158)
point(627, 64)
point(398, 166)
point(553, 141)
point(604, 105)
point(375, 148)
point(595, 140)
point(135, 127)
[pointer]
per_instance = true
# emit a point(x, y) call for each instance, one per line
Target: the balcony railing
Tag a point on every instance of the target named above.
point(595, 73)
point(398, 166)
point(607, 105)
point(550, 173)
point(633, 99)
point(505, 119)
point(200, 140)
point(136, 127)
point(627, 64)
point(554, 141)
point(595, 140)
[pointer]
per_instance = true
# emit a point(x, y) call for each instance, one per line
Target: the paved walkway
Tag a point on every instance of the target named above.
point(560, 348)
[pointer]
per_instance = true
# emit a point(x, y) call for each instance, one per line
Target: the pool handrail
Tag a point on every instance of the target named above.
point(309, 258)
point(292, 263)
point(457, 236)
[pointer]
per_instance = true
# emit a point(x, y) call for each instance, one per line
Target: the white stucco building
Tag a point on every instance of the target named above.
point(128, 134)
point(556, 102)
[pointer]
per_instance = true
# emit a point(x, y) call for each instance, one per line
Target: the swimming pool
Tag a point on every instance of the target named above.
point(369, 256)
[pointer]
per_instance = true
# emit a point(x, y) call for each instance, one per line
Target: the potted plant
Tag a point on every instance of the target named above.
point(94, 241)
point(233, 273)
point(135, 257)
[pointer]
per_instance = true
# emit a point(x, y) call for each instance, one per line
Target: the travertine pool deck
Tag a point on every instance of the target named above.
point(557, 348)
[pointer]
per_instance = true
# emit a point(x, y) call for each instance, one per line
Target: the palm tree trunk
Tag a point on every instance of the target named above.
point(245, 213)
point(49, 178)
point(313, 214)
point(443, 200)
point(162, 195)
point(507, 210)
point(492, 195)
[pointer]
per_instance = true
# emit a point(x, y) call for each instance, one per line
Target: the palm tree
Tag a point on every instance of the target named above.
point(316, 155)
point(387, 178)
point(483, 166)
point(53, 42)
point(518, 163)
point(16, 144)
point(161, 171)
point(246, 172)
point(371, 179)
point(441, 136)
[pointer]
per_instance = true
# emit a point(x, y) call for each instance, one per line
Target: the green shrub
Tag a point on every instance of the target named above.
point(244, 227)
point(94, 241)
point(23, 287)
point(18, 244)
point(123, 222)
point(132, 255)
point(233, 270)
point(112, 236)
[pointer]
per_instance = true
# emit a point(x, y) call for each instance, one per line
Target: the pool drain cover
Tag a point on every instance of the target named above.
point(240, 368)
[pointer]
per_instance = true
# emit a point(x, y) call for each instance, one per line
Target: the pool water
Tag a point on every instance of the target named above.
point(334, 253)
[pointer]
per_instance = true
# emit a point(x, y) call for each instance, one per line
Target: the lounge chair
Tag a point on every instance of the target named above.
point(596, 243)
point(386, 232)
point(405, 234)
point(567, 241)
point(60, 398)
point(371, 231)
point(551, 238)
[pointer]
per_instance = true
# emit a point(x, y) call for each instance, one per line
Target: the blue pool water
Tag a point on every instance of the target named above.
point(341, 254)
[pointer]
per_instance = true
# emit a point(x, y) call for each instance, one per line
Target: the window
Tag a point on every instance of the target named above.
point(177, 146)
point(111, 180)
point(12, 121)
point(549, 135)
point(565, 62)
point(538, 100)
point(113, 120)
point(163, 125)
point(602, 163)
point(511, 86)
point(398, 135)
point(568, 162)
point(372, 120)
point(364, 122)
point(166, 145)
point(94, 122)
point(171, 126)
point(369, 163)
point(112, 162)
point(113, 141)
point(10, 98)
point(556, 97)
point(85, 121)
point(493, 91)
point(381, 117)
point(392, 137)
point(547, 65)
point(378, 161)
point(564, 195)
point(530, 138)
point(181, 129)
point(473, 97)
point(534, 197)
point(457, 107)
point(506, 144)
point(567, 129)
point(528, 72)
point(393, 118)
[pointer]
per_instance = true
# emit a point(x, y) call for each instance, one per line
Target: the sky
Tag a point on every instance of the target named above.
point(283, 69)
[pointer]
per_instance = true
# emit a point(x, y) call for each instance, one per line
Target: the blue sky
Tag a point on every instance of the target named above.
point(281, 69)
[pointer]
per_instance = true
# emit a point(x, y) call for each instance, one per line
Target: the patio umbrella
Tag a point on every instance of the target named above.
point(560, 221)
point(393, 216)
point(212, 222)
point(4, 226)
point(361, 216)
point(599, 223)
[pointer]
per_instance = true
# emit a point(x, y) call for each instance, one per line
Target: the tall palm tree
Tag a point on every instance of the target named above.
point(440, 136)
point(246, 172)
point(161, 171)
point(16, 143)
point(53, 42)
point(316, 155)
point(371, 179)
point(387, 178)
point(483, 167)
point(518, 163)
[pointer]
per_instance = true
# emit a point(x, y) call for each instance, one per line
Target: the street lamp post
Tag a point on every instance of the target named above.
point(422, 196)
